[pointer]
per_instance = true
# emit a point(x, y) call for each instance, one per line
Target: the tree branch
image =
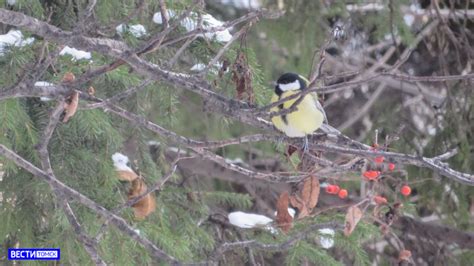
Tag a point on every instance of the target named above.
point(119, 222)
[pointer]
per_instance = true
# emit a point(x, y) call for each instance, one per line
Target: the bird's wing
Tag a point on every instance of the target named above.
point(319, 106)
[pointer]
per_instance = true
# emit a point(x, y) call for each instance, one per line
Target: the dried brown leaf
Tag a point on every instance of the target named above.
point(353, 216)
point(283, 219)
point(70, 107)
point(91, 91)
point(127, 175)
point(298, 203)
point(242, 78)
point(224, 67)
point(303, 212)
point(69, 77)
point(145, 206)
point(310, 192)
point(291, 149)
point(404, 255)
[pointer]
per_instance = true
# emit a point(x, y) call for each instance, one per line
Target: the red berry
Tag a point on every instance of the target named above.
point(391, 166)
point(379, 200)
point(371, 175)
point(330, 189)
point(405, 190)
point(342, 194)
point(379, 159)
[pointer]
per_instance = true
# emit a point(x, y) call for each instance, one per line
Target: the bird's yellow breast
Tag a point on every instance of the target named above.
point(303, 121)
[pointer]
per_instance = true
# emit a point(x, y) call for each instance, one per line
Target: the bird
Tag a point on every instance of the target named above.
point(308, 115)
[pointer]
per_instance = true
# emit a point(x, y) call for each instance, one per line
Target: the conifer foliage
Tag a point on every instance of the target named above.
point(137, 132)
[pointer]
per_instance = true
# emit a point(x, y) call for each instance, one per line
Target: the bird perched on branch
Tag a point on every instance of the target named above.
point(305, 117)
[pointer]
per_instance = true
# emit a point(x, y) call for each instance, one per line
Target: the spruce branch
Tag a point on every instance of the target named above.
point(273, 247)
point(119, 222)
point(89, 244)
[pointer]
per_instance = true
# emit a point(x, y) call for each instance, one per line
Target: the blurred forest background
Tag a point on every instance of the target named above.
point(406, 110)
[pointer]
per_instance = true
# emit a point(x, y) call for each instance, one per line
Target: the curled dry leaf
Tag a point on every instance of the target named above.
point(242, 78)
point(283, 219)
point(310, 192)
point(309, 197)
point(69, 77)
point(124, 175)
point(404, 255)
point(91, 91)
point(224, 68)
point(298, 203)
point(379, 200)
point(145, 206)
point(70, 107)
point(291, 149)
point(353, 216)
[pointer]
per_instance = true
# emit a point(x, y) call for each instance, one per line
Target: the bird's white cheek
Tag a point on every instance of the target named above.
point(295, 85)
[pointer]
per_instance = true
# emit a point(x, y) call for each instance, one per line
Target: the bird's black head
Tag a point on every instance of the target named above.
point(289, 82)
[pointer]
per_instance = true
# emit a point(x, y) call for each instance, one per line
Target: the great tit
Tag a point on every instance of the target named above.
point(308, 115)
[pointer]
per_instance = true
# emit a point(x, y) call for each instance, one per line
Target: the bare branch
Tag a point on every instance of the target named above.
point(164, 13)
point(274, 247)
point(430, 163)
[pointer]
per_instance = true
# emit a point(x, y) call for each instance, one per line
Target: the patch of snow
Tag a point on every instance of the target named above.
point(154, 143)
point(176, 150)
point(243, 4)
point(327, 241)
point(416, 9)
point(191, 23)
point(159, 20)
point(13, 38)
point(235, 161)
point(75, 53)
point(248, 220)
point(431, 130)
point(291, 211)
point(136, 30)
point(364, 88)
point(198, 67)
point(366, 7)
point(409, 19)
point(347, 94)
point(120, 162)
point(214, 69)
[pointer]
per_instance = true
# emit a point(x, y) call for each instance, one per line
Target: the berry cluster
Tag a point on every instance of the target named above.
point(375, 169)
point(335, 189)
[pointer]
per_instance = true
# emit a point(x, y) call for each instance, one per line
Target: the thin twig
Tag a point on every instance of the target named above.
point(164, 14)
